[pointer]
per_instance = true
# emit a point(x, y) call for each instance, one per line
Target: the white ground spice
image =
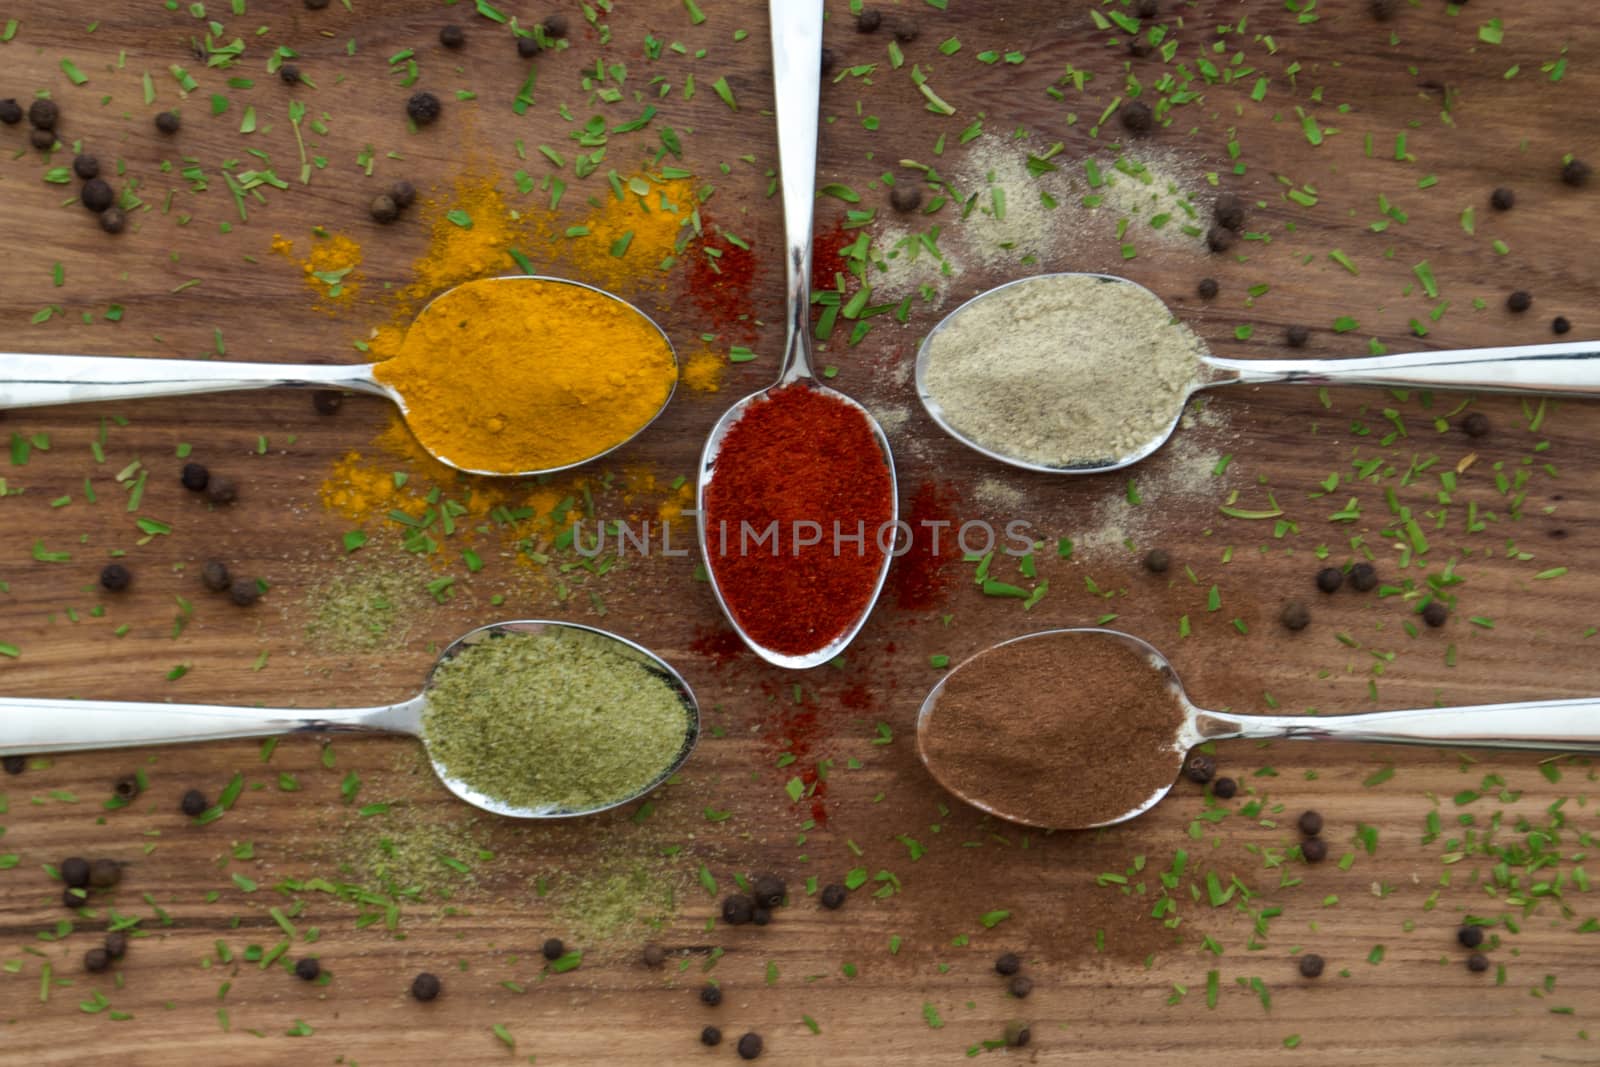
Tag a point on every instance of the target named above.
point(1012, 217)
point(1062, 370)
point(910, 263)
point(1152, 194)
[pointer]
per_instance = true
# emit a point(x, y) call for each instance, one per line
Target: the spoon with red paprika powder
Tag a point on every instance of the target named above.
point(1082, 728)
point(797, 503)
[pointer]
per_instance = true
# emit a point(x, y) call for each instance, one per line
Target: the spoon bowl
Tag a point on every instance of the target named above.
point(1546, 725)
point(1570, 368)
point(36, 380)
point(31, 727)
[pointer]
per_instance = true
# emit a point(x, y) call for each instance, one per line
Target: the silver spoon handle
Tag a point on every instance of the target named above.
point(29, 727)
point(28, 380)
point(1553, 725)
point(1570, 367)
point(797, 81)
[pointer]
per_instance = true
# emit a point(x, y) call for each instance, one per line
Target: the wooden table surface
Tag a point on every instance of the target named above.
point(1479, 102)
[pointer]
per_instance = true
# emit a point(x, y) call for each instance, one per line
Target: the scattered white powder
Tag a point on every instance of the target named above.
point(1063, 370)
point(1003, 496)
point(1153, 193)
point(892, 418)
point(907, 263)
point(1011, 216)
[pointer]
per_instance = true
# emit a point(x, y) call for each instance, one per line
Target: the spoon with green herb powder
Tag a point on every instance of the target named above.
point(531, 719)
point(1085, 373)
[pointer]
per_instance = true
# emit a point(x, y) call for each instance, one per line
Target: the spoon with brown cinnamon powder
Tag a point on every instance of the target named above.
point(1074, 729)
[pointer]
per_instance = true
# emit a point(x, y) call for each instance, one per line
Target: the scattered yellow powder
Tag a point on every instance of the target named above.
point(634, 238)
point(470, 233)
point(332, 269)
point(702, 371)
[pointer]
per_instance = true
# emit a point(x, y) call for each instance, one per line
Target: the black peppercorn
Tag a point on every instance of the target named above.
point(14, 764)
point(1146, 9)
point(1502, 199)
point(1314, 850)
point(193, 803)
point(116, 944)
point(653, 955)
point(1007, 964)
point(1310, 823)
point(43, 140)
point(1020, 986)
point(169, 122)
point(1017, 1034)
point(1383, 10)
point(905, 31)
point(710, 995)
point(750, 1046)
point(316, 5)
point(426, 986)
point(1470, 936)
point(527, 47)
point(905, 196)
point(738, 909)
point(452, 36)
point(1295, 615)
point(1136, 116)
point(1228, 211)
point(289, 74)
point(327, 401)
point(1560, 325)
point(403, 193)
point(10, 111)
point(1477, 963)
point(1576, 172)
point(194, 477)
point(383, 209)
point(1296, 336)
point(830, 59)
point(221, 489)
point(113, 220)
point(126, 787)
point(74, 898)
point(761, 917)
point(1219, 238)
point(1139, 47)
point(1311, 965)
point(244, 592)
point(423, 108)
point(834, 896)
point(214, 576)
point(86, 166)
point(769, 891)
point(1435, 614)
point(114, 577)
point(1200, 768)
point(307, 969)
point(75, 871)
point(555, 26)
point(710, 1036)
point(96, 960)
point(553, 949)
point(103, 874)
point(97, 195)
point(1224, 788)
point(869, 20)
point(1521, 300)
point(1363, 577)
point(1476, 424)
point(1157, 560)
point(44, 114)
point(1207, 288)
point(1329, 579)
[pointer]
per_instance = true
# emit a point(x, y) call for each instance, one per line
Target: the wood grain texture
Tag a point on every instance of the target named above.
point(1419, 1005)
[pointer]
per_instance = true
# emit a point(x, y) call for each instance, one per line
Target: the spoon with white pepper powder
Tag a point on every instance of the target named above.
point(1087, 373)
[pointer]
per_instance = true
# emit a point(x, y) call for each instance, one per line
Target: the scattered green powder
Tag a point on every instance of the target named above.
point(619, 897)
point(410, 849)
point(562, 720)
point(363, 608)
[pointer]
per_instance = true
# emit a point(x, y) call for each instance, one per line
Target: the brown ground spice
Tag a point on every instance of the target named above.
point(1063, 729)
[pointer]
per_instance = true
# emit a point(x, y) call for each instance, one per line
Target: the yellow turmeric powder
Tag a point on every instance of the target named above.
point(331, 267)
point(505, 376)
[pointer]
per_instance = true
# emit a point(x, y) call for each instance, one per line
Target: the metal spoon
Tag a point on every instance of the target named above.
point(797, 76)
point(1544, 725)
point(31, 727)
point(29, 380)
point(1568, 368)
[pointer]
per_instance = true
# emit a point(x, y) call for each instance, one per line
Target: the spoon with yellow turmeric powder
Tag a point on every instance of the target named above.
point(509, 376)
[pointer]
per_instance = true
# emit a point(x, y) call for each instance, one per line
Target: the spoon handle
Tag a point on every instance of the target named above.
point(1570, 367)
point(28, 380)
point(1552, 725)
point(29, 727)
point(797, 82)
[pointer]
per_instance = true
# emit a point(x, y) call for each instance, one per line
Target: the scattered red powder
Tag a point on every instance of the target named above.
point(719, 646)
point(825, 258)
point(858, 697)
point(918, 578)
point(720, 286)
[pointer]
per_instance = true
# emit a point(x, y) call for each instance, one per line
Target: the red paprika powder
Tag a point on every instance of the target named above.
point(720, 286)
point(796, 458)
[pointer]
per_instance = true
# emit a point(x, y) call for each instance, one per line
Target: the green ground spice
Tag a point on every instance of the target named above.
point(363, 608)
point(555, 720)
point(619, 897)
point(409, 849)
